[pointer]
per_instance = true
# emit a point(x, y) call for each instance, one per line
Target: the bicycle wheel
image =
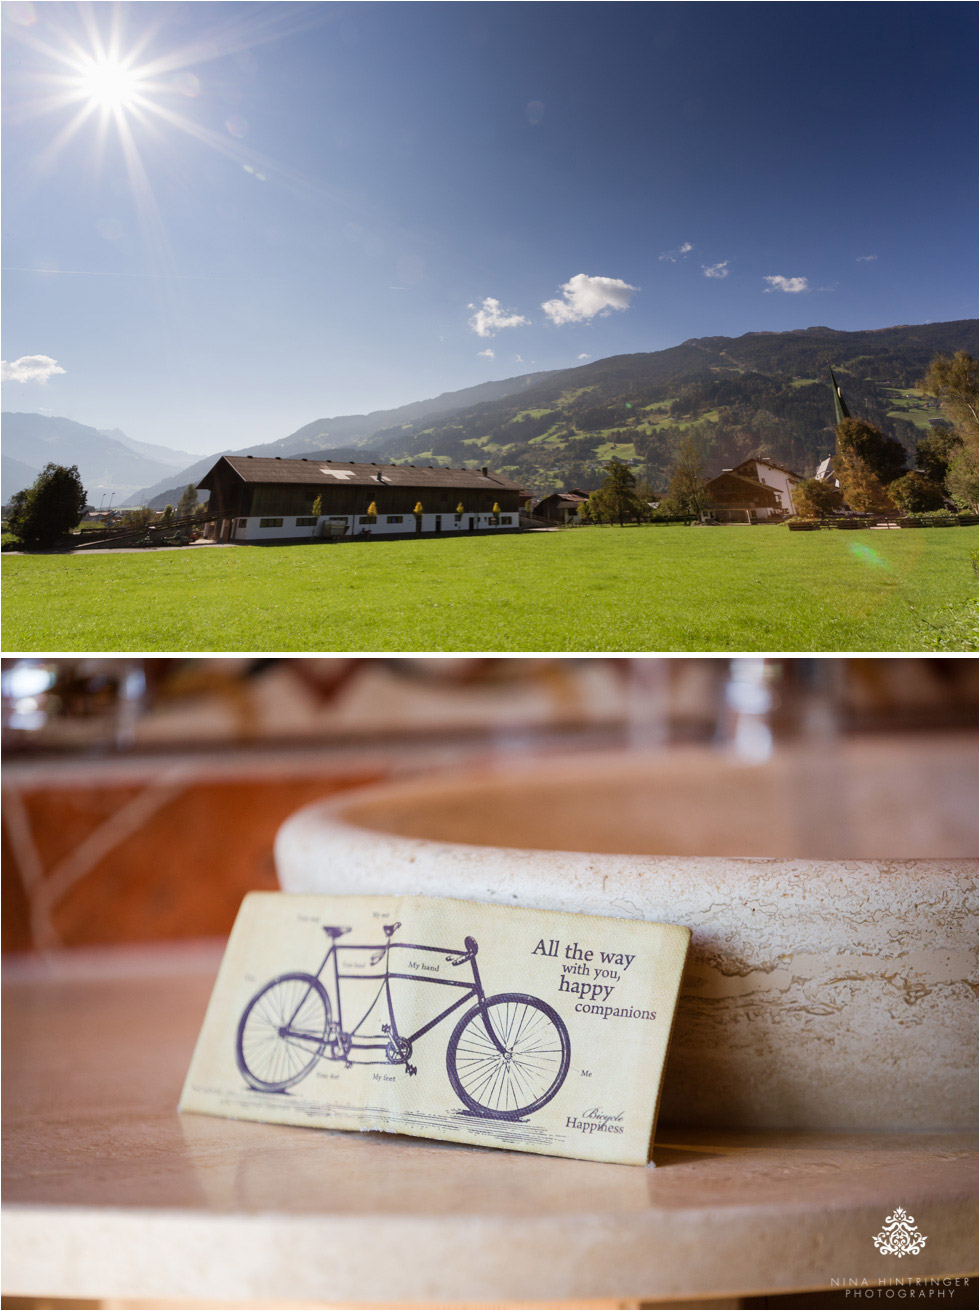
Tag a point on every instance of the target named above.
point(526, 1074)
point(283, 1032)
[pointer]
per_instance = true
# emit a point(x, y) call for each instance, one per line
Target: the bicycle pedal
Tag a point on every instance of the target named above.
point(348, 1065)
point(411, 1069)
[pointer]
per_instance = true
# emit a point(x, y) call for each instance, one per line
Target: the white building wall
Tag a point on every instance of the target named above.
point(781, 483)
point(272, 527)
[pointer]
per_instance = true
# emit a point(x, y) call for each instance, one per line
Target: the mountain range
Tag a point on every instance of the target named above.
point(354, 431)
point(109, 462)
point(762, 393)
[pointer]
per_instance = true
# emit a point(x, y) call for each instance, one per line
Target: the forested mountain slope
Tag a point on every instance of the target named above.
point(765, 393)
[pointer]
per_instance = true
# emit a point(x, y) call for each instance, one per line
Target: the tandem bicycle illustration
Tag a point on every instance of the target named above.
point(506, 1058)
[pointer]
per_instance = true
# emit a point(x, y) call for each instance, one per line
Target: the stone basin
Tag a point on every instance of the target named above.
point(831, 893)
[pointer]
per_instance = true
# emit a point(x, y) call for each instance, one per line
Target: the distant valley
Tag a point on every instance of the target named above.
point(110, 463)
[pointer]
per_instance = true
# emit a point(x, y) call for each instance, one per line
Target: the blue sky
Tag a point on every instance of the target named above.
point(296, 211)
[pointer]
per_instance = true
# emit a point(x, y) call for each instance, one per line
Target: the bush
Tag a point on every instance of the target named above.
point(816, 499)
point(914, 493)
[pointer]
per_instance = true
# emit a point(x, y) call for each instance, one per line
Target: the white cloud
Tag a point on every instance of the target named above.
point(585, 297)
point(720, 270)
point(30, 368)
point(865, 259)
point(778, 283)
point(585, 357)
point(490, 318)
point(519, 359)
point(672, 256)
point(487, 354)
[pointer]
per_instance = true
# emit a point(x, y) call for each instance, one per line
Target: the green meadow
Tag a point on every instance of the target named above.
point(594, 589)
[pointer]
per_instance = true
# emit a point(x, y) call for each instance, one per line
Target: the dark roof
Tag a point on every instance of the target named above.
point(751, 482)
point(566, 496)
point(334, 473)
point(763, 459)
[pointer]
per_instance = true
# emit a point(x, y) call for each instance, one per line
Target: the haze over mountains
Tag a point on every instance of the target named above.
point(350, 432)
point(762, 392)
point(110, 463)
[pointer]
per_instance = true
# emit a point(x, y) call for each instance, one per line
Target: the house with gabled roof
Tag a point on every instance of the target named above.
point(562, 506)
point(774, 475)
point(751, 492)
point(263, 499)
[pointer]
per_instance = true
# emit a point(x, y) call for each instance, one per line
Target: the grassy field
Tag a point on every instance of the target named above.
point(603, 589)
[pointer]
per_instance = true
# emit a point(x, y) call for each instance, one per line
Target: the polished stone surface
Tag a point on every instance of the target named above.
point(110, 1194)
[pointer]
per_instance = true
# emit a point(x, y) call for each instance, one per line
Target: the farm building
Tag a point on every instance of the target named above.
point(757, 489)
point(260, 499)
point(561, 506)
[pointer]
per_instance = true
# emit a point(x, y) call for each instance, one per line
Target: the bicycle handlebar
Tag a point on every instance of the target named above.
point(471, 950)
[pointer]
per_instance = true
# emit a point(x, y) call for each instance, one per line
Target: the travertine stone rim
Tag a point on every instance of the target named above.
point(820, 993)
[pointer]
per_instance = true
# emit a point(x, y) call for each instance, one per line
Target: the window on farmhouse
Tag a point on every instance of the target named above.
point(396, 518)
point(243, 523)
point(270, 523)
point(308, 522)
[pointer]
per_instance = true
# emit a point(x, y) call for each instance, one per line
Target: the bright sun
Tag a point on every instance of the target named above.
point(110, 84)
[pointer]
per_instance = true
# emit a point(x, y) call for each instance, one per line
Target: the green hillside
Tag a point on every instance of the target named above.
point(765, 393)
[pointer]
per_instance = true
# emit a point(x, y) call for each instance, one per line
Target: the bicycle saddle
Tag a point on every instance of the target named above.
point(390, 928)
point(332, 931)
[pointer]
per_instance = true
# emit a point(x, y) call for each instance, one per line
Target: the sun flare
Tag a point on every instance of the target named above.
point(109, 84)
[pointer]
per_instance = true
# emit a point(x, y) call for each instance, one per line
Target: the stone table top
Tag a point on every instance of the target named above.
point(109, 1193)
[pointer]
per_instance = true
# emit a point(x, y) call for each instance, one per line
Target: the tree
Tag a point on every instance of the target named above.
point(815, 499)
point(685, 493)
point(618, 493)
point(953, 381)
point(644, 495)
point(962, 478)
point(934, 451)
point(188, 502)
point(168, 513)
point(317, 508)
point(880, 454)
point(916, 494)
point(52, 506)
point(861, 489)
point(865, 463)
point(141, 518)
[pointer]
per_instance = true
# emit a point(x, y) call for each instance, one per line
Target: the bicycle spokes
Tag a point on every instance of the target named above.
point(283, 1032)
point(509, 1057)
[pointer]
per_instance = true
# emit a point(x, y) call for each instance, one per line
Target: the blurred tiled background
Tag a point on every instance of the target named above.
point(141, 798)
